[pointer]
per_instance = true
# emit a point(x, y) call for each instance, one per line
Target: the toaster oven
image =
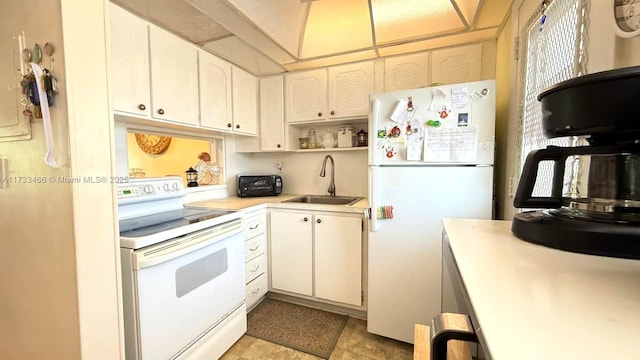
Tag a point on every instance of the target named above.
point(259, 185)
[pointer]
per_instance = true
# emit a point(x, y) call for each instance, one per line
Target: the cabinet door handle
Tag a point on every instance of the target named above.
point(229, 125)
point(238, 126)
point(319, 114)
point(305, 219)
point(319, 221)
point(333, 112)
point(142, 107)
point(278, 146)
point(161, 111)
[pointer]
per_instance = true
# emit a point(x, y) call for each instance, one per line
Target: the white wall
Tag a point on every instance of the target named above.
point(58, 262)
point(301, 171)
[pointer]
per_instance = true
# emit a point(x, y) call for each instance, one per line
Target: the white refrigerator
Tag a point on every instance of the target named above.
point(431, 154)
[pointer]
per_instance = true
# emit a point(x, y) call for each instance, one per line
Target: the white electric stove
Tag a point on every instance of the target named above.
point(183, 273)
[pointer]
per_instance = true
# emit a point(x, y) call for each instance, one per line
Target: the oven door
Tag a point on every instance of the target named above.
point(184, 287)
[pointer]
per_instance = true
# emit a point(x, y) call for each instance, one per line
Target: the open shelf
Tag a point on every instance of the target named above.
point(332, 149)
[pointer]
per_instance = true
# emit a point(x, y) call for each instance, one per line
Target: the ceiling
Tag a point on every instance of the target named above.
point(274, 36)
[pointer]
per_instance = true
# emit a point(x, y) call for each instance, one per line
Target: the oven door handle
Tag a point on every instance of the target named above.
point(172, 249)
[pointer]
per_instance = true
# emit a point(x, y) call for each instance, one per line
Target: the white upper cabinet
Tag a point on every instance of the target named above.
point(457, 65)
point(349, 89)
point(215, 92)
point(337, 92)
point(174, 75)
point(406, 72)
point(306, 95)
point(129, 61)
point(272, 114)
point(245, 102)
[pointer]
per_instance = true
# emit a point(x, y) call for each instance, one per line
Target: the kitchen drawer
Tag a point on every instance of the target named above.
point(255, 246)
point(255, 290)
point(255, 267)
point(255, 225)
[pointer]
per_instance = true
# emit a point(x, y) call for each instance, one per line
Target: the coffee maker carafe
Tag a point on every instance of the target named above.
point(602, 215)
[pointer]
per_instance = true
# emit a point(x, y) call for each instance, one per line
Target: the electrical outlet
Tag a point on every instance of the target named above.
point(279, 166)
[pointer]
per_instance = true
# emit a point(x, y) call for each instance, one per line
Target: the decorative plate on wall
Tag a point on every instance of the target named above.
point(152, 144)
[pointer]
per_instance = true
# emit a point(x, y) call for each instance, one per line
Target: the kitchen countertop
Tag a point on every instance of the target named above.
point(534, 302)
point(251, 203)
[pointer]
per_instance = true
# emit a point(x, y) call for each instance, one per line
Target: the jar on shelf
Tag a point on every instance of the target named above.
point(362, 137)
point(313, 138)
point(345, 136)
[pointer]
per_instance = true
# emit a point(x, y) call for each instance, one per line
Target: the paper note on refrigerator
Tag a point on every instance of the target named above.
point(402, 114)
point(459, 144)
point(459, 97)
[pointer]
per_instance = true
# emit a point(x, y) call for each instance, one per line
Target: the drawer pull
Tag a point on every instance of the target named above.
point(256, 247)
point(254, 227)
point(255, 268)
point(257, 290)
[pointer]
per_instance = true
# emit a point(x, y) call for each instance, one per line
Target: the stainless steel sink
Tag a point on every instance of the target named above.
point(327, 200)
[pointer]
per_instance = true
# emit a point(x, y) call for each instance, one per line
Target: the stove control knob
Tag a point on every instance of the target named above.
point(148, 189)
point(175, 186)
point(166, 187)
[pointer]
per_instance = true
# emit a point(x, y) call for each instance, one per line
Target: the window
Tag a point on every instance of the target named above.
point(156, 155)
point(552, 50)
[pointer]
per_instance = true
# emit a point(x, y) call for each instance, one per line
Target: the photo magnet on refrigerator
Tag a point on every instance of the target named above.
point(463, 119)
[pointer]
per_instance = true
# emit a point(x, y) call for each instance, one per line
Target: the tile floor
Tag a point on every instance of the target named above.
point(354, 343)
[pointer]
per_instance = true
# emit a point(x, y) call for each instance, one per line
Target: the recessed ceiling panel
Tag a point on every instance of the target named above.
point(493, 13)
point(283, 21)
point(468, 8)
point(272, 36)
point(233, 20)
point(179, 17)
point(240, 53)
point(336, 26)
point(397, 21)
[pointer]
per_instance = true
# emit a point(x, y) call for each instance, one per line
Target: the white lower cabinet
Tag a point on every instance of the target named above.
point(255, 252)
point(337, 253)
point(291, 251)
point(317, 255)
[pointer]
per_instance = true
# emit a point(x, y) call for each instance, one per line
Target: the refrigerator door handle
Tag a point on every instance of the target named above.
point(373, 120)
point(373, 198)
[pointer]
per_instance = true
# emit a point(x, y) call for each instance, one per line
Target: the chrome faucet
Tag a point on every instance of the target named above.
point(332, 184)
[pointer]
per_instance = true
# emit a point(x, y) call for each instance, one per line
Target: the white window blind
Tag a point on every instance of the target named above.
point(552, 51)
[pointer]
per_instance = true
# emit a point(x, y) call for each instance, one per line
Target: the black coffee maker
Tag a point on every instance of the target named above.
point(603, 217)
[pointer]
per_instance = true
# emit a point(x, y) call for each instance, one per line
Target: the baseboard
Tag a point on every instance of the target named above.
point(359, 314)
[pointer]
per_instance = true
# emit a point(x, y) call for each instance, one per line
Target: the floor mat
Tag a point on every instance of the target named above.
point(298, 327)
